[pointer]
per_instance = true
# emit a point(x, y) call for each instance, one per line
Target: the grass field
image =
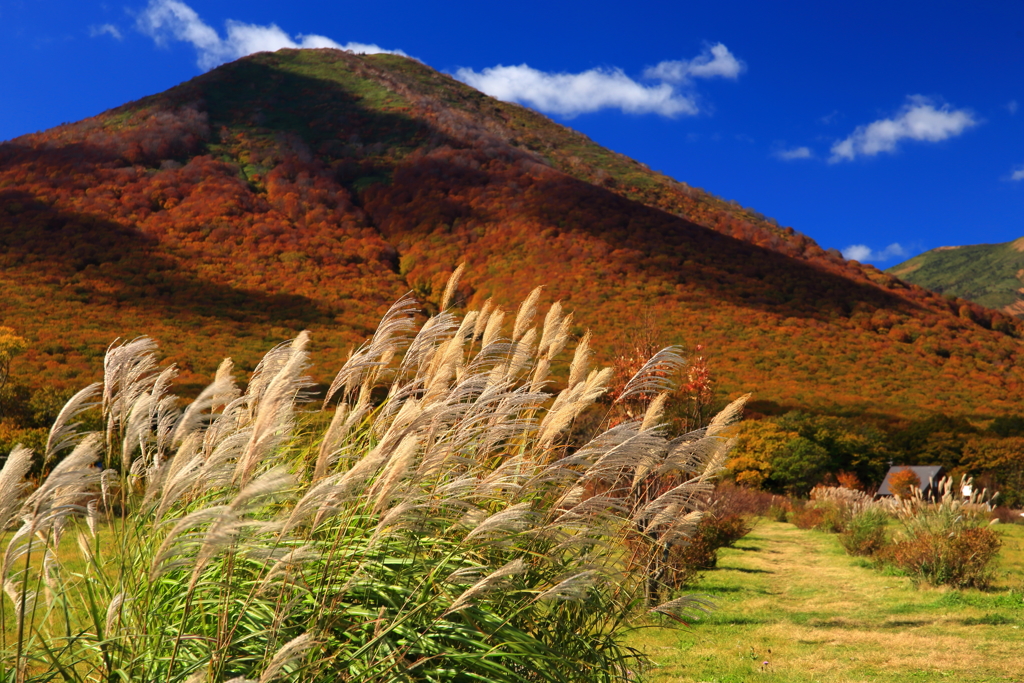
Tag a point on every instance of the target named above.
point(792, 606)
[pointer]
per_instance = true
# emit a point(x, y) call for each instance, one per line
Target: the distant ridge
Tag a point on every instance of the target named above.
point(308, 189)
point(988, 274)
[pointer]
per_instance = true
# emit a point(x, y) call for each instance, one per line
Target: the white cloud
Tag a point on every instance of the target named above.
point(863, 253)
point(163, 20)
point(795, 153)
point(105, 29)
point(572, 94)
point(919, 119)
point(1017, 174)
point(1011, 106)
point(715, 61)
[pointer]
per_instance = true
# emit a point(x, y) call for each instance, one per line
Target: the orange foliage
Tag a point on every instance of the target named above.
point(219, 216)
point(903, 483)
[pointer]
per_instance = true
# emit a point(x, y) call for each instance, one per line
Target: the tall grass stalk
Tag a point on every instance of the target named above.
point(428, 522)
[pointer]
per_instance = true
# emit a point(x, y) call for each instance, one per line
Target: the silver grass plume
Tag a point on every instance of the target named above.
point(150, 408)
point(522, 353)
point(526, 313)
point(513, 519)
point(218, 394)
point(24, 599)
point(727, 416)
point(655, 376)
point(560, 338)
point(273, 420)
point(391, 335)
point(397, 468)
point(64, 490)
point(655, 411)
point(62, 433)
point(453, 282)
point(113, 617)
point(580, 361)
point(225, 522)
point(572, 588)
point(480, 324)
point(51, 576)
point(288, 653)
point(487, 584)
point(569, 404)
point(493, 329)
point(552, 325)
point(127, 373)
point(13, 486)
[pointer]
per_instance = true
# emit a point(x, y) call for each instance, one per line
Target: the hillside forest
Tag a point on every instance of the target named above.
point(307, 190)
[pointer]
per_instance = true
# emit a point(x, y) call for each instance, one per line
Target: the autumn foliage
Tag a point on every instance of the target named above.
point(307, 189)
point(903, 483)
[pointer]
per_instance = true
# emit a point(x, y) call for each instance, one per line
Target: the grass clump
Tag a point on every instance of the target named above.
point(428, 523)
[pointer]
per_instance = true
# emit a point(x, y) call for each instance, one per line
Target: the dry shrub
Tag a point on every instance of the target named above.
point(959, 560)
point(807, 516)
point(1008, 515)
point(947, 542)
point(730, 498)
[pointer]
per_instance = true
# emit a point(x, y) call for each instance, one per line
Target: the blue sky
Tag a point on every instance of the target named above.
point(879, 128)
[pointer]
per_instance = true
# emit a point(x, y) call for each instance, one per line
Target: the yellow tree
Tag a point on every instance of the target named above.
point(10, 346)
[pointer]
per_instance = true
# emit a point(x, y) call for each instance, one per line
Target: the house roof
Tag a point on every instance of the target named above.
point(928, 475)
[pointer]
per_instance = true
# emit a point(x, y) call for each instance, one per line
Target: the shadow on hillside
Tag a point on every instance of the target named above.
point(338, 124)
point(667, 248)
point(93, 261)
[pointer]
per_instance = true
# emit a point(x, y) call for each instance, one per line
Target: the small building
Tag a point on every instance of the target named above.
point(928, 475)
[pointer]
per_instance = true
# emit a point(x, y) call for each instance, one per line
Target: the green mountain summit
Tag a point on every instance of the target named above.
point(989, 274)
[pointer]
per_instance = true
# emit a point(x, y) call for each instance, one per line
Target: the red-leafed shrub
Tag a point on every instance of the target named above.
point(713, 532)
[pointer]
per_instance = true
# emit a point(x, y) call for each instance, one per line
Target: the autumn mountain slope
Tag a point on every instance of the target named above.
point(988, 274)
point(309, 189)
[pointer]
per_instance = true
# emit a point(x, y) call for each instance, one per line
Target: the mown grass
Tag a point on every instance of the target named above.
point(792, 606)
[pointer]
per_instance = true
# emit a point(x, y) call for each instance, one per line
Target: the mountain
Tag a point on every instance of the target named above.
point(309, 189)
point(989, 274)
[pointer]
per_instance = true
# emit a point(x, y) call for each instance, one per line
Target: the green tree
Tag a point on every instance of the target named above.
point(798, 466)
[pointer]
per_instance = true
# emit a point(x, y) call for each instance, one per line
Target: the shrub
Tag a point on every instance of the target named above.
point(946, 542)
point(864, 532)
point(1007, 515)
point(960, 560)
point(730, 498)
point(807, 516)
point(779, 512)
point(849, 480)
point(701, 552)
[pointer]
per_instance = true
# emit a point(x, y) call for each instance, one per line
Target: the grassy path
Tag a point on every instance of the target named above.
point(792, 606)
